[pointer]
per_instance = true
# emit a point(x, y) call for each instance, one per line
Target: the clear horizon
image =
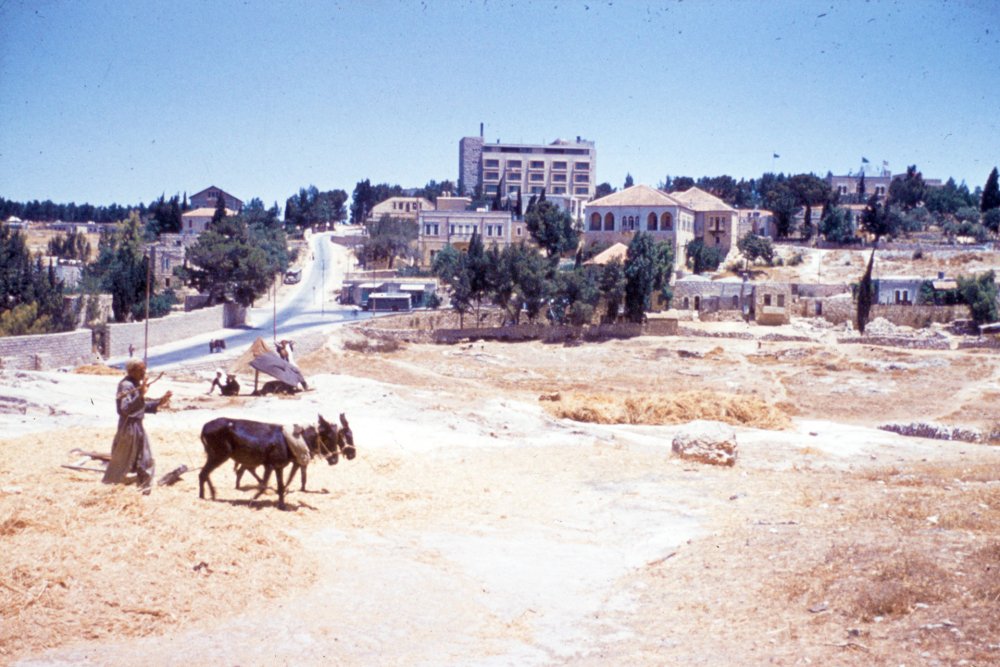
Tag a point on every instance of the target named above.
point(106, 102)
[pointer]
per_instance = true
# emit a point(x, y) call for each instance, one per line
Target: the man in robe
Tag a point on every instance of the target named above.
point(130, 452)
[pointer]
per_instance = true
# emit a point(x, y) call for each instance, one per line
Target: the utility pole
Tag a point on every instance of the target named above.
point(149, 274)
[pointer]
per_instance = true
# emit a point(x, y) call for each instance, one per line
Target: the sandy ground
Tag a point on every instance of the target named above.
point(475, 528)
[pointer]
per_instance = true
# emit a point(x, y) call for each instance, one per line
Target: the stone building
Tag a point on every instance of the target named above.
point(618, 216)
point(436, 229)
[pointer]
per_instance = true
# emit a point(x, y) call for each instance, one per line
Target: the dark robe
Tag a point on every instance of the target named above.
point(130, 450)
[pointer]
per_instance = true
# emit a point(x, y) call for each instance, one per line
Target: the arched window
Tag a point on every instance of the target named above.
point(609, 222)
point(686, 303)
point(666, 222)
point(651, 222)
point(595, 222)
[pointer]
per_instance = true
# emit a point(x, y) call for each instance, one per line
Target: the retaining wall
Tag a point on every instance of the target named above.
point(73, 348)
point(47, 351)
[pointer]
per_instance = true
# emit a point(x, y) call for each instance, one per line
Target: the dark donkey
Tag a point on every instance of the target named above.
point(253, 444)
point(334, 443)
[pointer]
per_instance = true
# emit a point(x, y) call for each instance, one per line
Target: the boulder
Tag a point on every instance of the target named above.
point(707, 442)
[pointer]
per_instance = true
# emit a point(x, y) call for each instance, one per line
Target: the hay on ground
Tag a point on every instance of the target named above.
point(679, 408)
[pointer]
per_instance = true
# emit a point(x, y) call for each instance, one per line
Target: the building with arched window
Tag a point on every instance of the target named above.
point(640, 208)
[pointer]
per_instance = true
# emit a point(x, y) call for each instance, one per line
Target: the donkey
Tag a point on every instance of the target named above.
point(252, 444)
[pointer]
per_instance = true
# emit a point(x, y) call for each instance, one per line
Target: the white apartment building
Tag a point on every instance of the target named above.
point(563, 169)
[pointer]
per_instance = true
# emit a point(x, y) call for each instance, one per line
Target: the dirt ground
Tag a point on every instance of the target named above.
point(476, 526)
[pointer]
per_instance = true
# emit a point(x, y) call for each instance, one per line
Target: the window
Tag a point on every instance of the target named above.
point(430, 229)
point(651, 222)
point(666, 222)
point(582, 166)
point(491, 189)
point(519, 230)
point(491, 175)
point(581, 178)
point(492, 164)
point(558, 178)
point(536, 189)
point(514, 176)
point(536, 164)
point(513, 189)
point(559, 166)
point(767, 299)
point(535, 178)
point(558, 190)
point(581, 190)
point(736, 302)
point(781, 301)
point(595, 222)
point(513, 164)
point(609, 222)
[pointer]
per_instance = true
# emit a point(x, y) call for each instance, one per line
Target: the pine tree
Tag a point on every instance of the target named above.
point(991, 193)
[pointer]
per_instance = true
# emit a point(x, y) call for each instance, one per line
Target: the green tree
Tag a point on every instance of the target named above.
point(612, 286)
point(991, 192)
point(866, 293)
point(552, 228)
point(809, 191)
point(603, 190)
point(388, 237)
point(220, 209)
point(980, 293)
point(836, 225)
point(784, 205)
point(640, 273)
point(121, 267)
point(447, 263)
point(70, 246)
point(226, 263)
point(991, 220)
point(452, 267)
point(663, 262)
point(754, 247)
point(907, 191)
point(628, 181)
point(880, 220)
point(700, 257)
point(578, 293)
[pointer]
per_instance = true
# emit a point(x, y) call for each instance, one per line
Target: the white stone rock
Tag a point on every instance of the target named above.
point(707, 442)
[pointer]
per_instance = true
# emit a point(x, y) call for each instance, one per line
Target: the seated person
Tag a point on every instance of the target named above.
point(232, 387)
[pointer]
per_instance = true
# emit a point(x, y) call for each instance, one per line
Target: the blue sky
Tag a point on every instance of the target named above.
point(120, 101)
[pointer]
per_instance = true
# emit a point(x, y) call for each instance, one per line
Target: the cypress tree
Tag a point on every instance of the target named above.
point(991, 192)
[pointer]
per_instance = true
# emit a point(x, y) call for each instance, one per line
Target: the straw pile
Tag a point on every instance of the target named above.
point(97, 369)
point(679, 408)
point(87, 560)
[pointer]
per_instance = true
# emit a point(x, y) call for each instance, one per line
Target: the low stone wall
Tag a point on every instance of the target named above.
point(73, 348)
point(909, 342)
point(47, 351)
point(940, 432)
point(548, 333)
point(842, 310)
point(174, 327)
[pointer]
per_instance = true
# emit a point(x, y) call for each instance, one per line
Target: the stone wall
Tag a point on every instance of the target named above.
point(47, 351)
point(843, 310)
point(174, 327)
point(73, 348)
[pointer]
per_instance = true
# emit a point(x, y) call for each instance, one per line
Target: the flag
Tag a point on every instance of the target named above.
point(776, 155)
point(884, 163)
point(864, 160)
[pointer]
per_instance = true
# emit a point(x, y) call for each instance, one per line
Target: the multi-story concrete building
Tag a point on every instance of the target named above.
point(436, 229)
point(618, 216)
point(562, 169)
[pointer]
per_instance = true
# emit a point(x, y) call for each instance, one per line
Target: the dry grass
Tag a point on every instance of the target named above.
point(373, 345)
point(97, 369)
point(678, 408)
point(921, 558)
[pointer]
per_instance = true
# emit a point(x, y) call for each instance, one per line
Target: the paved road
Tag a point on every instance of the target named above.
point(309, 307)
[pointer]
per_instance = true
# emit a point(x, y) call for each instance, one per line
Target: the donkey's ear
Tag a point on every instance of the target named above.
point(321, 420)
point(343, 420)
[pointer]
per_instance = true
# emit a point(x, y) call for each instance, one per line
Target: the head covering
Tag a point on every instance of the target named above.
point(133, 364)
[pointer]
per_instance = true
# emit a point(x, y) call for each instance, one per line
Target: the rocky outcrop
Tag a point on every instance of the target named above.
point(708, 442)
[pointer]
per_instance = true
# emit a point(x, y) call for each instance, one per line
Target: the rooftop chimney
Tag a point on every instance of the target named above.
point(480, 130)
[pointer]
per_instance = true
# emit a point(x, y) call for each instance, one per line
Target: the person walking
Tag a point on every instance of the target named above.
point(130, 451)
